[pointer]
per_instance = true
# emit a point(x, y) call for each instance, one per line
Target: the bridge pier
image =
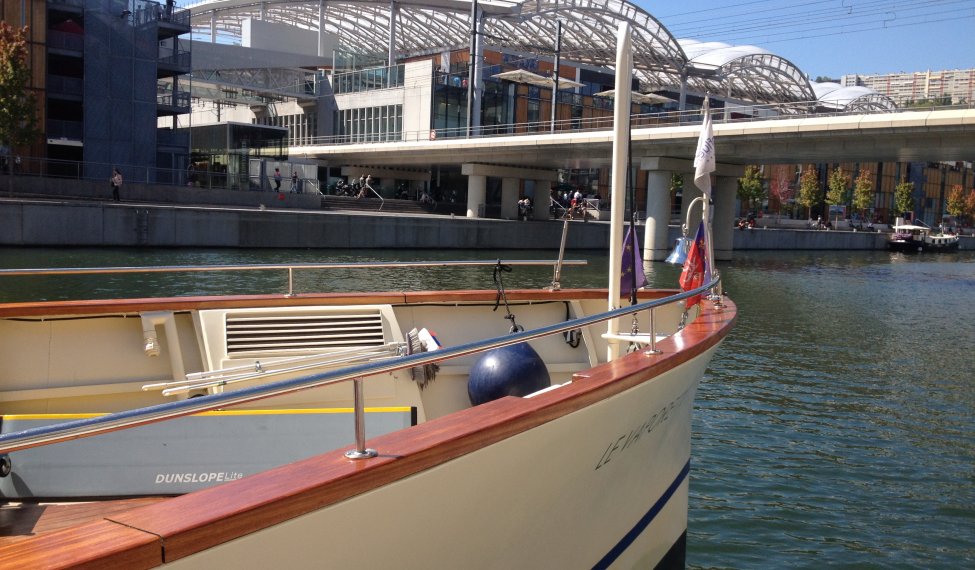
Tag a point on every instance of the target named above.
point(541, 199)
point(723, 231)
point(510, 188)
point(512, 179)
point(655, 246)
point(724, 192)
point(476, 195)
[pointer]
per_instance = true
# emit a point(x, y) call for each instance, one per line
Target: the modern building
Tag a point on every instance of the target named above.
point(106, 73)
point(946, 87)
point(370, 71)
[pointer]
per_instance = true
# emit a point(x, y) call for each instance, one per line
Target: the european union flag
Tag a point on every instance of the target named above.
point(632, 264)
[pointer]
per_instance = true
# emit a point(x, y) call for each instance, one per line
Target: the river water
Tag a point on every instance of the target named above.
point(836, 425)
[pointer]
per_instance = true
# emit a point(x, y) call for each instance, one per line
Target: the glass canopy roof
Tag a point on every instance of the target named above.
point(589, 27)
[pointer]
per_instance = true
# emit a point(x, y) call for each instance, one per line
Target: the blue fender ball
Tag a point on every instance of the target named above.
point(515, 370)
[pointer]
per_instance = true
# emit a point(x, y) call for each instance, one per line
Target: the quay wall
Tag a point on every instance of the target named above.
point(98, 223)
point(45, 211)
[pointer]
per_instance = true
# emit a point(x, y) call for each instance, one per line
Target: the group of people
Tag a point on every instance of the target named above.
point(574, 204)
point(525, 209)
point(295, 187)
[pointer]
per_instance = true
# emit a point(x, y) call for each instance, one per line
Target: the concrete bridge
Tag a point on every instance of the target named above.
point(910, 135)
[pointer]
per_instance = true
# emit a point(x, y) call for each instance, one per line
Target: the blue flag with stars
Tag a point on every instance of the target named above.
point(632, 263)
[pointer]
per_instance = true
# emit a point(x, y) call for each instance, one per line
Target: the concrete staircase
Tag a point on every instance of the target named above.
point(346, 203)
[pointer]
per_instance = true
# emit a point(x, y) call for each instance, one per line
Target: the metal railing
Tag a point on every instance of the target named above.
point(76, 429)
point(736, 114)
point(100, 171)
point(289, 267)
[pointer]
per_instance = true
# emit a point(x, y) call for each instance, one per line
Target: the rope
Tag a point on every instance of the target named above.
point(499, 269)
point(573, 337)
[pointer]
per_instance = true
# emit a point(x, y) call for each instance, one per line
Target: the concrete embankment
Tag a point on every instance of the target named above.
point(59, 213)
point(99, 223)
point(73, 223)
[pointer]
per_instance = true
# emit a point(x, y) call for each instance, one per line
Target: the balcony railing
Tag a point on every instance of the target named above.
point(67, 130)
point(62, 85)
point(65, 41)
point(179, 100)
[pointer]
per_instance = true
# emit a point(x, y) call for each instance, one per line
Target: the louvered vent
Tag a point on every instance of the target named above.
point(276, 333)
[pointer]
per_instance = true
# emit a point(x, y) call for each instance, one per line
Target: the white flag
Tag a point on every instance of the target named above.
point(704, 157)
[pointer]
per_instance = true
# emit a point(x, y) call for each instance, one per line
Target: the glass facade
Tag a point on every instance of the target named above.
point(302, 127)
point(368, 79)
point(222, 153)
point(370, 124)
point(449, 109)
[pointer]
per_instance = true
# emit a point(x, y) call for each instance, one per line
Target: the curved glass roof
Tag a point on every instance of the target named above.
point(834, 96)
point(748, 73)
point(589, 29)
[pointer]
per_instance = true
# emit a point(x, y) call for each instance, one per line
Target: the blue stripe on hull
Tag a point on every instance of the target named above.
point(644, 521)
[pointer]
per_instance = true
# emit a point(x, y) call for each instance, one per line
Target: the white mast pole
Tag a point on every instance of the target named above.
point(621, 151)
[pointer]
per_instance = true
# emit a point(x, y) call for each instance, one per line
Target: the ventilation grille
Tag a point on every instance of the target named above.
point(269, 334)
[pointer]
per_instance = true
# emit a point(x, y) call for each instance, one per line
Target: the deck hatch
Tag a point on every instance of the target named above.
point(273, 333)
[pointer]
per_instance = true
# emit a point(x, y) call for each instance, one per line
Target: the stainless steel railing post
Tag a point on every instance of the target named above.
point(556, 285)
point(653, 337)
point(360, 451)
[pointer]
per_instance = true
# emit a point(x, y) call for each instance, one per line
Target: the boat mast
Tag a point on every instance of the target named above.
point(621, 146)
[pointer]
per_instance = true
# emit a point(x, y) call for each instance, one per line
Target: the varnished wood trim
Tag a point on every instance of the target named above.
point(200, 520)
point(122, 306)
point(100, 544)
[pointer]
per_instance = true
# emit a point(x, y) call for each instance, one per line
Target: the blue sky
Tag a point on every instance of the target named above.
point(834, 37)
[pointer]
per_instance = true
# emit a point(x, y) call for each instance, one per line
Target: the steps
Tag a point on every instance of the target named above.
point(346, 203)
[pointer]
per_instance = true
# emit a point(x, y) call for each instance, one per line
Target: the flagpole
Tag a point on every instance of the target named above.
point(704, 165)
point(621, 120)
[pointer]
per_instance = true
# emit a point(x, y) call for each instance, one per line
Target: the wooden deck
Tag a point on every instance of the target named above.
point(23, 521)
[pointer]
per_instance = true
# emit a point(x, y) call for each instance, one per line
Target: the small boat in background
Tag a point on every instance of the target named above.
point(919, 237)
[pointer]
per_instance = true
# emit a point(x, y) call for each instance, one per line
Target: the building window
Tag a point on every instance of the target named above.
point(370, 124)
point(368, 79)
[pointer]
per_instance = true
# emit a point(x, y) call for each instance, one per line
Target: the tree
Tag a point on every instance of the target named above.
point(18, 105)
point(808, 188)
point(970, 206)
point(780, 184)
point(956, 201)
point(676, 182)
point(863, 192)
point(904, 197)
point(839, 184)
point(751, 191)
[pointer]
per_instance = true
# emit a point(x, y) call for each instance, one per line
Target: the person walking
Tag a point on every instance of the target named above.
point(116, 184)
point(294, 182)
point(277, 179)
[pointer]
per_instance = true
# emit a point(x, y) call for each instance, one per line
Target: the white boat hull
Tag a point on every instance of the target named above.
point(589, 472)
point(606, 485)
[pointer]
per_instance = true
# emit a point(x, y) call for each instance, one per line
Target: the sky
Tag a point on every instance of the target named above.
point(832, 38)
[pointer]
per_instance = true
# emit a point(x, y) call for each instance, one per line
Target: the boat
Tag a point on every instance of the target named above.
point(919, 237)
point(587, 466)
point(492, 428)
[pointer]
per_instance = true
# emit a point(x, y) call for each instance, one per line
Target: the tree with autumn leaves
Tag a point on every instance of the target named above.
point(961, 204)
point(18, 105)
